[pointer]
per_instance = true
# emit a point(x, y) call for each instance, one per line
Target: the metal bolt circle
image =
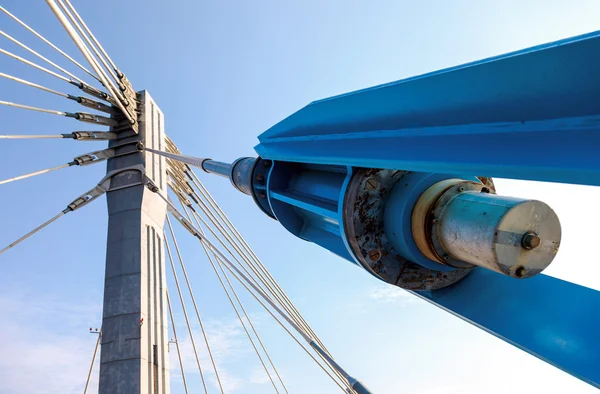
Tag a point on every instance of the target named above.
point(375, 255)
point(530, 240)
point(372, 184)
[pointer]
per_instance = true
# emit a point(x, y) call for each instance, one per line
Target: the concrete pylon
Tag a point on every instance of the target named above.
point(134, 352)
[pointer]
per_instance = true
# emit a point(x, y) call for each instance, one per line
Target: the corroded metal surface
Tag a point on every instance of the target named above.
point(435, 221)
point(363, 225)
point(513, 236)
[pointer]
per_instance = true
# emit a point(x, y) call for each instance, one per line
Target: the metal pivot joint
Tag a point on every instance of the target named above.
point(461, 224)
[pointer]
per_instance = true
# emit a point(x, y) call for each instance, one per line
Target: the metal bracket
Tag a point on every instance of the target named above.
point(92, 118)
point(91, 135)
point(89, 196)
point(137, 167)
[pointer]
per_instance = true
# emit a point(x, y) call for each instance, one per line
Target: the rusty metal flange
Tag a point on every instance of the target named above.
point(363, 212)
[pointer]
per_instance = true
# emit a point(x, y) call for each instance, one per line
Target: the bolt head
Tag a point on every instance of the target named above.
point(372, 184)
point(530, 240)
point(375, 255)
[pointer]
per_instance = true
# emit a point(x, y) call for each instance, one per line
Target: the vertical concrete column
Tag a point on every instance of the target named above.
point(134, 357)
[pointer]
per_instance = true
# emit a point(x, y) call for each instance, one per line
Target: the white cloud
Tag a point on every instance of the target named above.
point(442, 390)
point(229, 345)
point(46, 347)
point(390, 294)
point(45, 344)
point(259, 376)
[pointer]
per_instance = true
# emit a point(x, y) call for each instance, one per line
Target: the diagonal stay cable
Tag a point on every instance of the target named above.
point(19, 43)
point(28, 107)
point(81, 116)
point(288, 306)
point(185, 315)
point(262, 271)
point(239, 276)
point(176, 340)
point(89, 42)
point(245, 313)
point(34, 85)
point(32, 64)
point(87, 382)
point(208, 255)
point(76, 135)
point(178, 160)
point(185, 275)
point(82, 160)
point(87, 29)
point(35, 173)
point(173, 160)
point(231, 237)
point(86, 102)
point(121, 101)
point(257, 281)
point(29, 136)
point(83, 86)
point(79, 202)
point(257, 285)
point(48, 42)
point(349, 380)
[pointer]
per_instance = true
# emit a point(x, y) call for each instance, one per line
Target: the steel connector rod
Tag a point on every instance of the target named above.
point(240, 172)
point(463, 224)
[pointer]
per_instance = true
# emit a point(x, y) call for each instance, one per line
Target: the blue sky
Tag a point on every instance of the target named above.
point(223, 72)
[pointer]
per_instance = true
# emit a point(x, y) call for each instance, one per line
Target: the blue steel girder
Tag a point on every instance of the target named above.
point(532, 114)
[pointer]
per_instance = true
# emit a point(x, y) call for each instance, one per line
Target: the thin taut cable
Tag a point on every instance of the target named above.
point(48, 42)
point(33, 85)
point(32, 64)
point(87, 382)
point(185, 315)
point(120, 100)
point(19, 43)
point(236, 271)
point(94, 38)
point(176, 340)
point(31, 174)
point(185, 275)
point(285, 303)
point(260, 266)
point(35, 230)
point(214, 267)
point(28, 107)
point(87, 40)
point(18, 136)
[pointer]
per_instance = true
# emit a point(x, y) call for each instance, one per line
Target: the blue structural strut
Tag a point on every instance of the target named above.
point(396, 179)
point(549, 318)
point(532, 114)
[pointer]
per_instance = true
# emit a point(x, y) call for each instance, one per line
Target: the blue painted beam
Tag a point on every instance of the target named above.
point(554, 320)
point(532, 114)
